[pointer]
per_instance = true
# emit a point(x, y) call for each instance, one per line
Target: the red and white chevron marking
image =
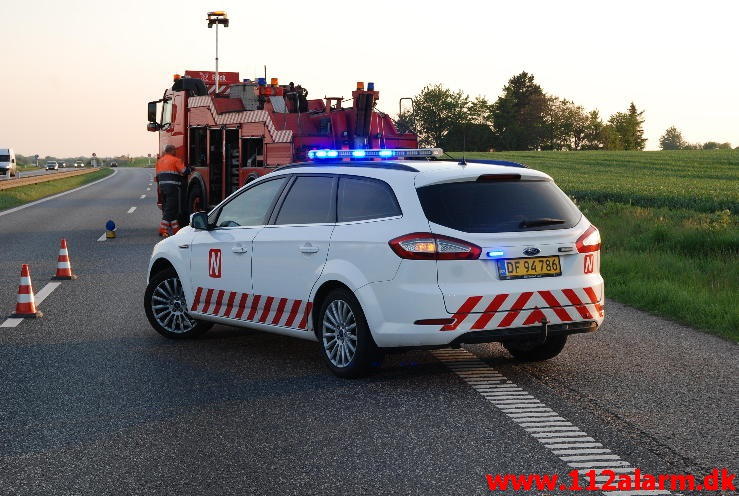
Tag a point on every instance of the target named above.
point(284, 136)
point(283, 312)
point(479, 313)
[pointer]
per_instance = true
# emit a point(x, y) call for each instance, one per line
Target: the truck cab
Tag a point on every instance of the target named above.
point(8, 166)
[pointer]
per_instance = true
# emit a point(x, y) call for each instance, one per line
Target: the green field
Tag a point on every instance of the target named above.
point(669, 225)
point(14, 197)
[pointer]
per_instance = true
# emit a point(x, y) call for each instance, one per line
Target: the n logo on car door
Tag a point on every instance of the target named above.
point(214, 263)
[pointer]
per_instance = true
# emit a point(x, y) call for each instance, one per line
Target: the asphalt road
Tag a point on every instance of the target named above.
point(93, 401)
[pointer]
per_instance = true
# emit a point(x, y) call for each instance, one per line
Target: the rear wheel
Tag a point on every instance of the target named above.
point(346, 341)
point(166, 308)
point(530, 351)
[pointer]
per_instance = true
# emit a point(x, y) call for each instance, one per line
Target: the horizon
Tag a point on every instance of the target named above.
point(84, 71)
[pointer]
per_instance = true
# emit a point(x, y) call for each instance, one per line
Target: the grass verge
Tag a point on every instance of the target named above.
point(669, 226)
point(14, 197)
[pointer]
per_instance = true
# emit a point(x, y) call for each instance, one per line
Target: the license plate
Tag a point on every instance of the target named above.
point(525, 268)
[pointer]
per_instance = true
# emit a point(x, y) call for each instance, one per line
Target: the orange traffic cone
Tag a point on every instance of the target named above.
point(25, 306)
point(63, 267)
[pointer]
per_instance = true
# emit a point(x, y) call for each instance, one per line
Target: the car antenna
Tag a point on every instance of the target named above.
point(464, 145)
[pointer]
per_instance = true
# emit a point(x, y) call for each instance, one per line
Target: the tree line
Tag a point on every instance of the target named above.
point(673, 140)
point(523, 117)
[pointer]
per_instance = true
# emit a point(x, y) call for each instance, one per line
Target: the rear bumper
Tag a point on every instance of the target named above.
point(526, 333)
point(391, 308)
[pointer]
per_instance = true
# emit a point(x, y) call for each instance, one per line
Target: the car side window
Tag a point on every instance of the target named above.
point(363, 198)
point(251, 207)
point(309, 201)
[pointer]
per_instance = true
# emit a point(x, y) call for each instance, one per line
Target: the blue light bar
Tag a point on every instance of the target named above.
point(495, 253)
point(375, 153)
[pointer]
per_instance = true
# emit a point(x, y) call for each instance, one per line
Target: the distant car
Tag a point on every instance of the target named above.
point(114, 164)
point(7, 162)
point(79, 163)
point(52, 165)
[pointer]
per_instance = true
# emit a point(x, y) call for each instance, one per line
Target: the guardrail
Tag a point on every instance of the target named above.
point(14, 182)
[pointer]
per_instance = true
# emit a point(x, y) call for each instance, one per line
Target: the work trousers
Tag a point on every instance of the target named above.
point(170, 201)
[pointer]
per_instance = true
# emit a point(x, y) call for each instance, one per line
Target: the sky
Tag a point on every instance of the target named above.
point(76, 74)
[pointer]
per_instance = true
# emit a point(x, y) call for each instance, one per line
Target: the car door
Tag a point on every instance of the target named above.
point(221, 258)
point(290, 252)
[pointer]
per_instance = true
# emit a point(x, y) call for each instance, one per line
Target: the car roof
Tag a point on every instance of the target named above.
point(425, 171)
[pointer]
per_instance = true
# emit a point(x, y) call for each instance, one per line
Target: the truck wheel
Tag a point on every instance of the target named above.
point(166, 308)
point(346, 341)
point(528, 351)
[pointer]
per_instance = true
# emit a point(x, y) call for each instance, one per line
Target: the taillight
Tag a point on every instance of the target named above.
point(427, 246)
point(589, 241)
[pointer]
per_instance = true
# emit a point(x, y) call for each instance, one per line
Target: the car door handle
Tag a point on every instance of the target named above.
point(308, 248)
point(239, 249)
point(184, 247)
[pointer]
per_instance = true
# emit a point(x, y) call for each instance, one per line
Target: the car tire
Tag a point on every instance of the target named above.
point(166, 308)
point(528, 351)
point(342, 326)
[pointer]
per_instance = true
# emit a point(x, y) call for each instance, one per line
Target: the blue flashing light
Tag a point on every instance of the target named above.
point(495, 253)
point(386, 153)
point(332, 153)
point(370, 86)
point(358, 153)
point(321, 154)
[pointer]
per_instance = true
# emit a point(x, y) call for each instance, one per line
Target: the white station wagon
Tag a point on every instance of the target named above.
point(366, 255)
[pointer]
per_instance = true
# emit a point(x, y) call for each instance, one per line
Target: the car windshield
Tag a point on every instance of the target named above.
point(4, 158)
point(498, 206)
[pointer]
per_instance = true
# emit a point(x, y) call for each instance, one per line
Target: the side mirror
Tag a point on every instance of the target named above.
point(199, 220)
point(153, 126)
point(152, 108)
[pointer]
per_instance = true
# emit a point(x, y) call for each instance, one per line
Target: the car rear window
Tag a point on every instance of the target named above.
point(364, 199)
point(498, 206)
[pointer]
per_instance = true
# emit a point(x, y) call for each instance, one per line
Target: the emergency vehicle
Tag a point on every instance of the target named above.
point(365, 253)
point(250, 127)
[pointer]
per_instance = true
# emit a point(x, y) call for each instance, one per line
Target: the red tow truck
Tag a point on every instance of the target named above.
point(249, 127)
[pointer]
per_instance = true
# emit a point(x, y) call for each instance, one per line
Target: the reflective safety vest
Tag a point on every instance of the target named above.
point(169, 169)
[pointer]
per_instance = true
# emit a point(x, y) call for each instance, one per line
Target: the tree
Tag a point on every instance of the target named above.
point(710, 145)
point(436, 110)
point(592, 137)
point(518, 115)
point(405, 123)
point(628, 128)
point(672, 139)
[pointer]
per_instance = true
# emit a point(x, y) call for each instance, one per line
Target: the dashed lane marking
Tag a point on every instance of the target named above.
point(11, 210)
point(103, 237)
point(563, 439)
point(142, 197)
point(130, 210)
point(38, 298)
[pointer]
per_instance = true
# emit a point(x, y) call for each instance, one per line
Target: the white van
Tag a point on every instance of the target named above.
point(7, 162)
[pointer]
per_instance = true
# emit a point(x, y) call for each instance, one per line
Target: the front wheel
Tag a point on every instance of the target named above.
point(528, 351)
point(166, 308)
point(346, 341)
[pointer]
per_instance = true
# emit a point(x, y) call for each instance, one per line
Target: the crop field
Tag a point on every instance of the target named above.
point(669, 225)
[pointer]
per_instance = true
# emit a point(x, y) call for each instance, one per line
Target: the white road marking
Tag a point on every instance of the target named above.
point(148, 189)
point(142, 197)
point(11, 210)
point(130, 210)
point(103, 237)
point(11, 322)
point(565, 440)
point(38, 298)
point(45, 291)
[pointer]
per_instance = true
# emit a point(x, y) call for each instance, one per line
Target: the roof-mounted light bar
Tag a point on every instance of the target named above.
point(386, 153)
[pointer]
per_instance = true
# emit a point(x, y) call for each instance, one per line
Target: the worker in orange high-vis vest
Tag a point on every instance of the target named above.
point(169, 171)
